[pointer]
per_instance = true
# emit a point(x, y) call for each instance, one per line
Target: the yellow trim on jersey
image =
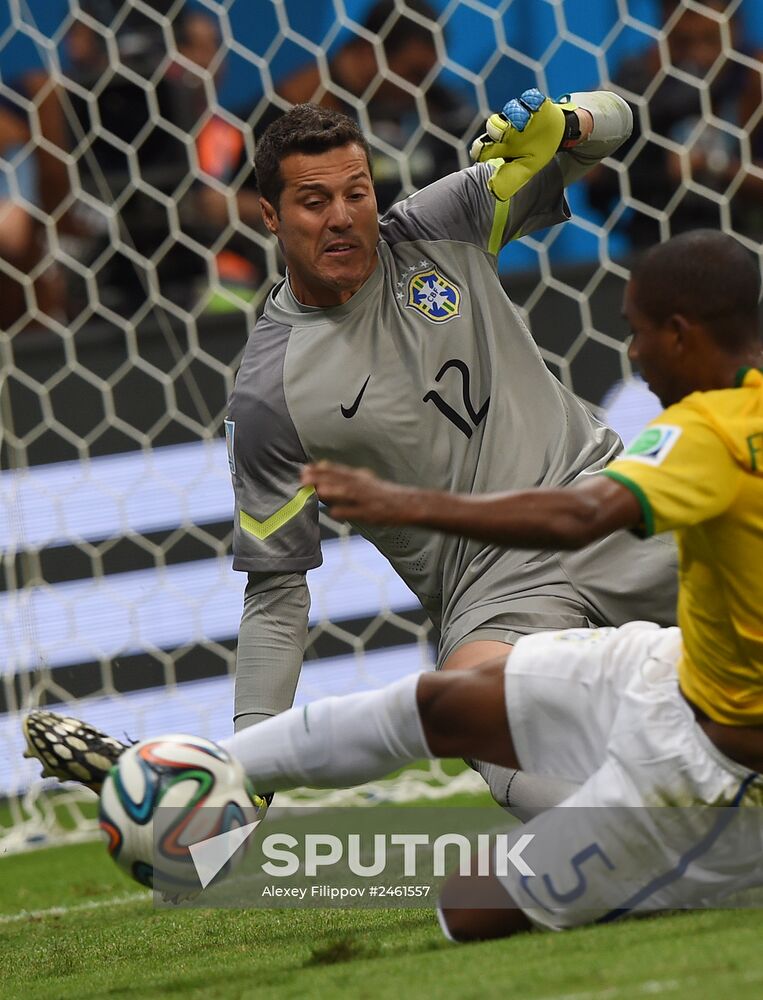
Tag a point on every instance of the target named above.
point(500, 216)
point(276, 521)
point(647, 513)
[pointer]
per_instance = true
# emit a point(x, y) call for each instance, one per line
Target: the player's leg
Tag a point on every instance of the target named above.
point(339, 742)
point(666, 821)
point(547, 678)
point(565, 693)
point(479, 908)
point(616, 580)
point(463, 712)
point(330, 743)
point(474, 654)
point(521, 793)
point(503, 605)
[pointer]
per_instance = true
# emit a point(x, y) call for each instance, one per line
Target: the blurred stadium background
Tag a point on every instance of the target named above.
point(133, 265)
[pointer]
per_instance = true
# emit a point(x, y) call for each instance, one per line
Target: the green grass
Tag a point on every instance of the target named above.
point(93, 947)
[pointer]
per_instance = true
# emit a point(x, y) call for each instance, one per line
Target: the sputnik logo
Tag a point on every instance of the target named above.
point(210, 855)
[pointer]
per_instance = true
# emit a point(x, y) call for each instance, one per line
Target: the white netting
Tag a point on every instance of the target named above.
point(133, 262)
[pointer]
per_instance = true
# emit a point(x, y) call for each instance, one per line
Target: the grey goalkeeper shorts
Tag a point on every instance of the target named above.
point(618, 579)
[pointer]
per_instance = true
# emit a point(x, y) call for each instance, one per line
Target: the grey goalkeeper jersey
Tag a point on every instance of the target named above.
point(427, 375)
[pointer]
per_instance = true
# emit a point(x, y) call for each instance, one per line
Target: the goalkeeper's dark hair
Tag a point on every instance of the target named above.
point(706, 276)
point(306, 128)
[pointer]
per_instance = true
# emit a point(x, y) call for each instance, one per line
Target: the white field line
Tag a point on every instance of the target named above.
point(62, 911)
point(650, 987)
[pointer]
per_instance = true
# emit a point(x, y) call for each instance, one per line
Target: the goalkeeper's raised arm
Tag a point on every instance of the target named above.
point(529, 153)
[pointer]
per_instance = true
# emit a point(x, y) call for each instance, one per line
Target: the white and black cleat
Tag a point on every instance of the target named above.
point(69, 749)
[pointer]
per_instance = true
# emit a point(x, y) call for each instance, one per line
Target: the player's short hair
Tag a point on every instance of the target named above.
point(706, 276)
point(306, 128)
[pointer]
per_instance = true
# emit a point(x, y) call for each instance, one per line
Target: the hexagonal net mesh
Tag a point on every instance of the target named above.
point(133, 263)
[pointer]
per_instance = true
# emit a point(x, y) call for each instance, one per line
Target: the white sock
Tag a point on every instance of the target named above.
point(522, 794)
point(334, 742)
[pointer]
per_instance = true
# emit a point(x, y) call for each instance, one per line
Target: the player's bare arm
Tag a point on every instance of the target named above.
point(566, 518)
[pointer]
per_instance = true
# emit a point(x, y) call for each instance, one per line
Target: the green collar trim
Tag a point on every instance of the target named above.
point(742, 374)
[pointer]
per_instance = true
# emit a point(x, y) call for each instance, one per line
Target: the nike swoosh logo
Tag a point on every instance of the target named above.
point(350, 411)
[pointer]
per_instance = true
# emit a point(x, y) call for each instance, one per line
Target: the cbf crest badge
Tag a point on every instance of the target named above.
point(434, 296)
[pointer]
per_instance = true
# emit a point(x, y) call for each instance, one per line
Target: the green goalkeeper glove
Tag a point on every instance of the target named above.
point(526, 134)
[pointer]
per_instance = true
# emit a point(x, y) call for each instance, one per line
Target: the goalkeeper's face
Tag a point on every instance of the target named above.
point(326, 223)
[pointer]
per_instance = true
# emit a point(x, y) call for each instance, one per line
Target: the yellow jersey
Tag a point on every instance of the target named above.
point(698, 470)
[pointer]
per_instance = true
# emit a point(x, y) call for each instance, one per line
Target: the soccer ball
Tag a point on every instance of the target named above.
point(205, 792)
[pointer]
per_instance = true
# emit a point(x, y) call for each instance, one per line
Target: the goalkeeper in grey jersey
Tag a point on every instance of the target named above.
point(391, 344)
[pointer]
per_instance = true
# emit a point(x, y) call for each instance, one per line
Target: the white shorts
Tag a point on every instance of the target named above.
point(647, 830)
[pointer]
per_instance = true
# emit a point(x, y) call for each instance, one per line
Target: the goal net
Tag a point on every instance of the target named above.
point(133, 263)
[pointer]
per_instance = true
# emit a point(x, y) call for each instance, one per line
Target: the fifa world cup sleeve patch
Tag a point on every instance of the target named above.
point(230, 432)
point(653, 444)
